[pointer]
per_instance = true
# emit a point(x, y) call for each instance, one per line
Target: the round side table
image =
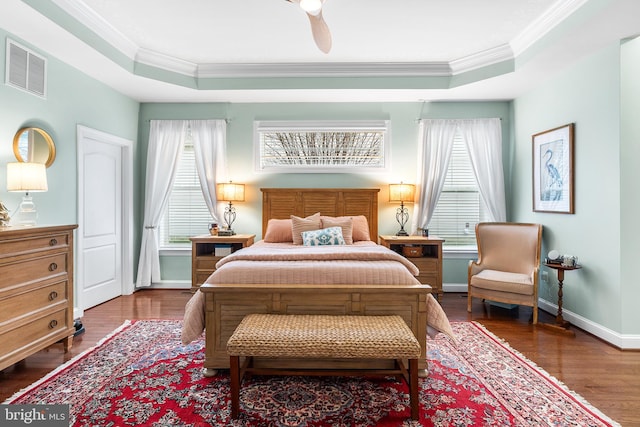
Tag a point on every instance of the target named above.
point(560, 324)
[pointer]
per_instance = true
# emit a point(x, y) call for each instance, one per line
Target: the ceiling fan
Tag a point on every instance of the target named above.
point(319, 28)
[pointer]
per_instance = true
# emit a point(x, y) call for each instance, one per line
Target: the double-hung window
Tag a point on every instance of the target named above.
point(460, 205)
point(186, 213)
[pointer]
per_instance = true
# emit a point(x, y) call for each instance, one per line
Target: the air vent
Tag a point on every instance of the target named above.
point(26, 69)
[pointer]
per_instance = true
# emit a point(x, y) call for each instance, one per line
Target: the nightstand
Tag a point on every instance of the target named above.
point(207, 250)
point(425, 253)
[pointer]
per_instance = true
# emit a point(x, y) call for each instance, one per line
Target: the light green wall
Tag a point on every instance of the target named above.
point(72, 98)
point(404, 134)
point(629, 179)
point(587, 94)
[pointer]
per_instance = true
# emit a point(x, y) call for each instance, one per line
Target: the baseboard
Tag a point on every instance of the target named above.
point(622, 341)
point(171, 284)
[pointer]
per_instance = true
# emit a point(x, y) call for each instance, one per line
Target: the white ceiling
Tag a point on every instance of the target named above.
point(256, 38)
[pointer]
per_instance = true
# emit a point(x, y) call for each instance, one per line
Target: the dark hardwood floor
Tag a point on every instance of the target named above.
point(605, 376)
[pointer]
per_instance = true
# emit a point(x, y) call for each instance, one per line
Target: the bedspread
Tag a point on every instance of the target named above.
point(284, 263)
point(267, 263)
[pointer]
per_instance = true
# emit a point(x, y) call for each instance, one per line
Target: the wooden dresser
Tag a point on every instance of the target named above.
point(36, 290)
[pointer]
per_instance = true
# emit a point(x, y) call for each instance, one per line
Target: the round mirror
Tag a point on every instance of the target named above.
point(34, 145)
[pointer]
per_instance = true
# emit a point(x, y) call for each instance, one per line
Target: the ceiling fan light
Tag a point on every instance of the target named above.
point(312, 7)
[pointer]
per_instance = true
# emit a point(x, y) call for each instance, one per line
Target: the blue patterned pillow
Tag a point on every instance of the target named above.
point(324, 236)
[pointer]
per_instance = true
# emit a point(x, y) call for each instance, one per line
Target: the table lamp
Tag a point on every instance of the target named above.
point(230, 192)
point(401, 193)
point(30, 178)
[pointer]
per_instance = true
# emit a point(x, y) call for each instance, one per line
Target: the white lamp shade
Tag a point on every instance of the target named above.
point(401, 192)
point(26, 177)
point(230, 192)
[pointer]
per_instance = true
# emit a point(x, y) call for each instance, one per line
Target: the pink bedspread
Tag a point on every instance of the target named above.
point(276, 263)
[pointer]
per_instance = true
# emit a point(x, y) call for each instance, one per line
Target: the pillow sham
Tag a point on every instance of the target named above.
point(345, 223)
point(360, 230)
point(322, 237)
point(298, 225)
point(278, 231)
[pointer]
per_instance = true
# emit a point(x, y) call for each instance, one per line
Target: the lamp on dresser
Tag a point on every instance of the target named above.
point(27, 177)
point(401, 193)
point(230, 192)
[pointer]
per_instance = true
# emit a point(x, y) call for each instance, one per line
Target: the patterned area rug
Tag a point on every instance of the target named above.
point(142, 376)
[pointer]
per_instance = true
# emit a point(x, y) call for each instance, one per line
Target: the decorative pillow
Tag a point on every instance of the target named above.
point(346, 223)
point(325, 236)
point(298, 225)
point(360, 227)
point(278, 231)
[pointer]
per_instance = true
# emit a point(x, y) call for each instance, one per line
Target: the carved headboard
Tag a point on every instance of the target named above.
point(280, 203)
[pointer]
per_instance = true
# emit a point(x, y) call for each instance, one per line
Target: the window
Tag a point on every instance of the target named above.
point(321, 146)
point(460, 205)
point(186, 213)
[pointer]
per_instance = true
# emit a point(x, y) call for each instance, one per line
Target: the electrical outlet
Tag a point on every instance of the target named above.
point(545, 276)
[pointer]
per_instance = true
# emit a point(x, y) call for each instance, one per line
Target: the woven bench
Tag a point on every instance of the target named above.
point(323, 336)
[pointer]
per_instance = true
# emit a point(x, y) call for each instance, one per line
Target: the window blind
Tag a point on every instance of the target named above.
point(186, 214)
point(459, 207)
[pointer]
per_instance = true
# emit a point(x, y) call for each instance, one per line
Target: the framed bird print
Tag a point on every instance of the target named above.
point(553, 170)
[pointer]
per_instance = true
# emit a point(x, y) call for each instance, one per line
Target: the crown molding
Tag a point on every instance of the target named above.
point(532, 33)
point(553, 16)
point(325, 69)
point(96, 23)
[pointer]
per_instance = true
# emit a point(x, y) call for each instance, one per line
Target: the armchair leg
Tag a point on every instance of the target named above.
point(469, 300)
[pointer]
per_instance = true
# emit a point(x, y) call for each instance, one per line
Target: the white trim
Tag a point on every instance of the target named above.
point(128, 285)
point(623, 341)
point(558, 12)
point(170, 284)
point(90, 19)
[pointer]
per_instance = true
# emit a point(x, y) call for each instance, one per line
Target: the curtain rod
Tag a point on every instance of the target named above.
point(175, 120)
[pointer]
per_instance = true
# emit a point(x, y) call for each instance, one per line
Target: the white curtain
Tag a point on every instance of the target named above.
point(166, 140)
point(436, 145)
point(483, 138)
point(209, 143)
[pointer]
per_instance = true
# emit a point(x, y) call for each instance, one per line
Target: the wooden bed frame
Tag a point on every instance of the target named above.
point(227, 304)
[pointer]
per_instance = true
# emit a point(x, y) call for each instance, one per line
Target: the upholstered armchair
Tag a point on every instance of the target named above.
point(508, 264)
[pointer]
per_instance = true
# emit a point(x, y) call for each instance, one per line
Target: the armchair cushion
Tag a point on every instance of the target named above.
point(503, 281)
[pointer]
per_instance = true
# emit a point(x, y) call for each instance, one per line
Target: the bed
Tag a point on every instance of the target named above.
point(276, 275)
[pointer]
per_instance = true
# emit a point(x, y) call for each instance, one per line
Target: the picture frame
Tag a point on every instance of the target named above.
point(553, 170)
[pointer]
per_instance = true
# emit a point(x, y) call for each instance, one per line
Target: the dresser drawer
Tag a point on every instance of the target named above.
point(207, 263)
point(33, 269)
point(425, 264)
point(202, 276)
point(33, 332)
point(32, 301)
point(33, 244)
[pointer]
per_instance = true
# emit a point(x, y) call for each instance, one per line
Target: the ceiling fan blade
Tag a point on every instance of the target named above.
point(320, 31)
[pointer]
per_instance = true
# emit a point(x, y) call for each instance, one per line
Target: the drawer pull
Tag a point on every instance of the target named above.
point(53, 266)
point(53, 324)
point(53, 295)
point(53, 242)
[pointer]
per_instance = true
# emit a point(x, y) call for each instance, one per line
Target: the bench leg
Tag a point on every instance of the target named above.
point(234, 371)
point(413, 389)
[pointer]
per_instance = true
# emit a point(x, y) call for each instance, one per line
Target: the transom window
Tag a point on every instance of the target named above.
point(321, 146)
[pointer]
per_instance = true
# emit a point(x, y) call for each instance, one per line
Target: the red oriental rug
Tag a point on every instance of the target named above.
point(142, 375)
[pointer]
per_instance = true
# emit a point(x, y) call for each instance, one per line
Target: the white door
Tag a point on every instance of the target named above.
point(101, 204)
